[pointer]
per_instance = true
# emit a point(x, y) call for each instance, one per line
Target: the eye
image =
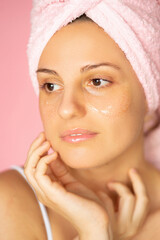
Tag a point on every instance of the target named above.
point(100, 83)
point(50, 87)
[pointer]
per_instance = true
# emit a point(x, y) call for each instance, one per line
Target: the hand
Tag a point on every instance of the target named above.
point(121, 226)
point(53, 185)
point(132, 209)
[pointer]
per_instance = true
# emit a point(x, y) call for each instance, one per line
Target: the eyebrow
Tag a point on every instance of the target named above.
point(83, 69)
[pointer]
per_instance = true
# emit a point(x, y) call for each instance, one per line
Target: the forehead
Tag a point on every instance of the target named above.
point(78, 42)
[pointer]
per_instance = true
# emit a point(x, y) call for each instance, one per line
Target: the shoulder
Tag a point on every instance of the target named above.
point(18, 208)
point(14, 188)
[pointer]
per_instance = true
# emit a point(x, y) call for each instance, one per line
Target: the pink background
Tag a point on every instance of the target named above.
point(20, 121)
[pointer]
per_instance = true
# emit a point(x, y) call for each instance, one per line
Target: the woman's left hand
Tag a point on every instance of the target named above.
point(132, 208)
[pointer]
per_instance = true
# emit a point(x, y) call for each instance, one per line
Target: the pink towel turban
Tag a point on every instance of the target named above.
point(133, 24)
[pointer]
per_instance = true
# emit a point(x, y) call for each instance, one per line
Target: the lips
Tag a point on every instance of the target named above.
point(77, 135)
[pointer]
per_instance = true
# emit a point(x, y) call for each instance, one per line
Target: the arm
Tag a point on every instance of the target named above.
point(17, 201)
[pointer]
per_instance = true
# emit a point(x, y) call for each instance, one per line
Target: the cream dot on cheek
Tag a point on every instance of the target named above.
point(47, 109)
point(50, 105)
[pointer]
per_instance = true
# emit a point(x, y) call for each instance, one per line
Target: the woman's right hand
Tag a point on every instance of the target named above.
point(92, 214)
point(54, 187)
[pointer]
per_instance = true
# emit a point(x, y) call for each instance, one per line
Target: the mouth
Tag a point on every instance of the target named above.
point(77, 135)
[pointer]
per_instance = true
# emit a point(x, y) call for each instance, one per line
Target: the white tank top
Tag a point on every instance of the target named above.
point(42, 207)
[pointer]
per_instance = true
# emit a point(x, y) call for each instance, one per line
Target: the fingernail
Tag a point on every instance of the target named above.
point(111, 181)
point(51, 151)
point(45, 143)
point(40, 135)
point(133, 170)
point(110, 184)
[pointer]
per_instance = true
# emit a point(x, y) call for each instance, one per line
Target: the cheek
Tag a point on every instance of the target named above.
point(48, 105)
point(47, 113)
point(112, 105)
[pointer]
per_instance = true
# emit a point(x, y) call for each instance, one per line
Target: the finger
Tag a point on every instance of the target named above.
point(29, 169)
point(53, 189)
point(50, 174)
point(36, 143)
point(43, 195)
point(138, 185)
point(67, 203)
point(61, 171)
point(71, 184)
point(108, 204)
point(126, 205)
point(142, 200)
point(35, 157)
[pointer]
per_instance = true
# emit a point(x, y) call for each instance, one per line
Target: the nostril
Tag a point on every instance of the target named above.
point(71, 109)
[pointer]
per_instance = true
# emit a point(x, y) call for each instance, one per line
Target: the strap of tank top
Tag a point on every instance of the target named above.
point(42, 207)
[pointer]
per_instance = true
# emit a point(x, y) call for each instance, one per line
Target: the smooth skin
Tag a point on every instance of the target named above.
point(80, 174)
point(89, 218)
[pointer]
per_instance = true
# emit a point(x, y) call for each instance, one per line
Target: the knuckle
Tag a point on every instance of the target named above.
point(41, 161)
point(33, 155)
point(36, 175)
point(40, 164)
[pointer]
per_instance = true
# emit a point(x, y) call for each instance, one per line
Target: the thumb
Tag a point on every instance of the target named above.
point(71, 184)
point(61, 172)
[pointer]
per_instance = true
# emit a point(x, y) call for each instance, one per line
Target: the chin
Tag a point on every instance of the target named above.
point(79, 158)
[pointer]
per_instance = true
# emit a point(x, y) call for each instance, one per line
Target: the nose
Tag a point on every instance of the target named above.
point(72, 105)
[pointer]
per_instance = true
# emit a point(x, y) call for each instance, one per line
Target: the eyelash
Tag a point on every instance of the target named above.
point(104, 80)
point(95, 87)
point(45, 84)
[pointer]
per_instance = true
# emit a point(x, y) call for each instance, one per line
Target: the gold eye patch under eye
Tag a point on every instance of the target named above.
point(109, 102)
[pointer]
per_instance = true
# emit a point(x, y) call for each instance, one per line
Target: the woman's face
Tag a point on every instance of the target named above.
point(106, 99)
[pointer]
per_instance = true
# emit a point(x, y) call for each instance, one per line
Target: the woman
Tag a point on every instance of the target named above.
point(97, 182)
